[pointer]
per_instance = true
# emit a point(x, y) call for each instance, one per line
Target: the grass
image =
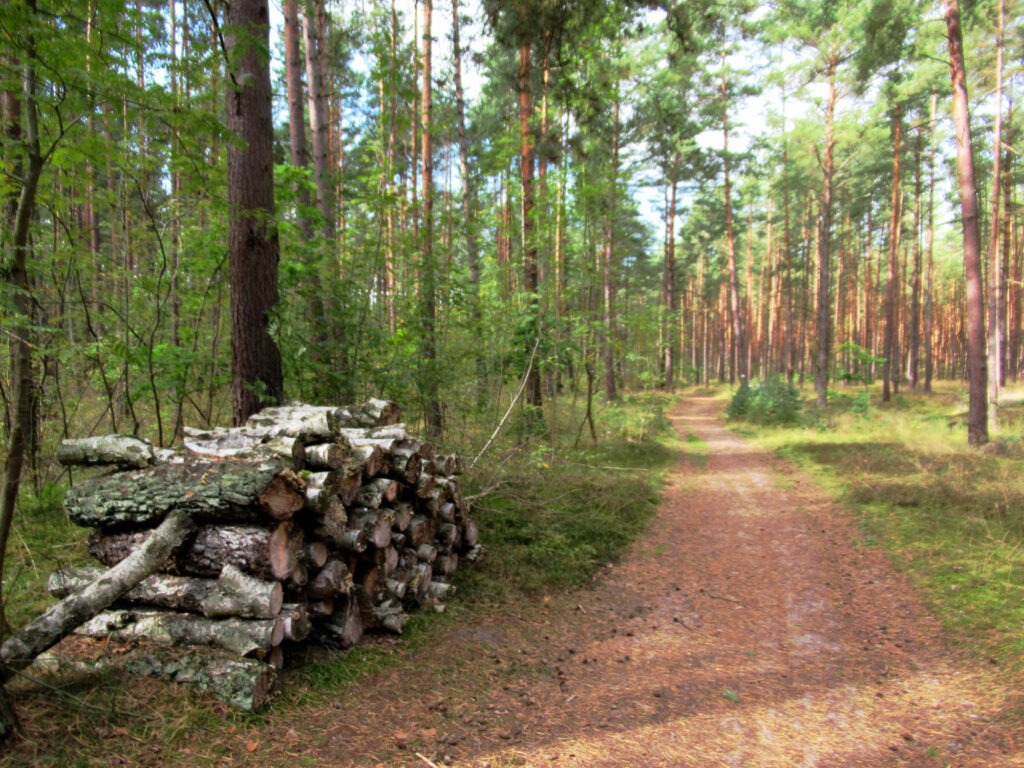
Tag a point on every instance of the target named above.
point(951, 516)
point(551, 516)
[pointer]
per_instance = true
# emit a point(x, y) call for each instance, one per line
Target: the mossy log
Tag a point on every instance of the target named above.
point(233, 593)
point(106, 450)
point(241, 683)
point(240, 636)
point(230, 491)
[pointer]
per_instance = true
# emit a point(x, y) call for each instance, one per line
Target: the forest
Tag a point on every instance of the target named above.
point(634, 197)
point(501, 211)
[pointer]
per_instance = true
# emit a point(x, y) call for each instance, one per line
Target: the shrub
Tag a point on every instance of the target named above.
point(772, 401)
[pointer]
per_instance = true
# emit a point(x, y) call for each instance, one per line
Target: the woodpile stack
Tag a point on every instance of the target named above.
point(309, 523)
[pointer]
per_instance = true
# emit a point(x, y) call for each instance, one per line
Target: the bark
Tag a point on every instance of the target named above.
point(739, 341)
point(296, 623)
point(296, 115)
point(233, 593)
point(345, 623)
point(376, 492)
point(671, 305)
point(977, 426)
point(890, 368)
point(227, 491)
point(267, 553)
point(824, 250)
point(375, 523)
point(608, 265)
point(314, 29)
point(995, 268)
point(531, 275)
point(122, 451)
point(929, 302)
point(241, 636)
point(45, 631)
point(244, 443)
point(330, 581)
point(913, 360)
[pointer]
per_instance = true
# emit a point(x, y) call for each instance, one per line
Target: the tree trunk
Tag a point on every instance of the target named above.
point(929, 301)
point(824, 252)
point(995, 268)
point(671, 303)
point(977, 426)
point(739, 341)
point(430, 375)
point(530, 270)
point(252, 230)
point(314, 30)
point(913, 360)
point(890, 368)
point(296, 114)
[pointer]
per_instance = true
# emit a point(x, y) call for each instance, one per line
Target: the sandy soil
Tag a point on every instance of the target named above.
point(748, 628)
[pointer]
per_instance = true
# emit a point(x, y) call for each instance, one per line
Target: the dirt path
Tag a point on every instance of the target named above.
point(748, 629)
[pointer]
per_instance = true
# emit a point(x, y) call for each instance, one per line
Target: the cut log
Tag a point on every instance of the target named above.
point(380, 490)
point(243, 443)
point(42, 633)
point(421, 531)
point(309, 423)
point(345, 623)
point(440, 465)
point(425, 485)
point(275, 658)
point(426, 553)
point(268, 553)
point(396, 588)
point(295, 622)
point(397, 540)
point(299, 576)
point(448, 537)
point(404, 512)
point(232, 594)
point(373, 413)
point(230, 490)
point(327, 455)
point(446, 564)
point(440, 590)
point(320, 608)
point(315, 554)
point(376, 523)
point(470, 533)
point(370, 456)
point(241, 636)
point(406, 464)
point(476, 554)
point(353, 540)
point(390, 616)
point(330, 581)
point(106, 450)
point(446, 512)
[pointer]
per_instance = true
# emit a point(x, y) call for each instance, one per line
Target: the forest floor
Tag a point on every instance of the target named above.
point(748, 627)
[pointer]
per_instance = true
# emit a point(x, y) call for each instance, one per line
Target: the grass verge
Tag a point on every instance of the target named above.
point(951, 516)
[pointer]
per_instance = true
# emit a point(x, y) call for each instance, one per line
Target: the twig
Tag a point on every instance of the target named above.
point(428, 761)
point(511, 405)
point(616, 469)
point(711, 594)
point(485, 492)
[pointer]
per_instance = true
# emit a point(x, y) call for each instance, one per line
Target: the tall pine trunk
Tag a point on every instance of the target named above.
point(252, 230)
point(890, 368)
point(995, 268)
point(824, 251)
point(977, 426)
point(739, 350)
point(428, 269)
point(531, 277)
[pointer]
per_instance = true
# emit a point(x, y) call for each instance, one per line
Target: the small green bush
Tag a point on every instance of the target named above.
point(772, 401)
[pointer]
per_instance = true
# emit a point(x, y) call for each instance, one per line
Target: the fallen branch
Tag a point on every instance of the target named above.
point(522, 386)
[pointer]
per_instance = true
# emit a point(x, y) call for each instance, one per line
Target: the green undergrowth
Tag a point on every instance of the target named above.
point(950, 515)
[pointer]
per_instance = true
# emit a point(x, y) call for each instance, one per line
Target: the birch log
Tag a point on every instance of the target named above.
point(233, 593)
point(106, 450)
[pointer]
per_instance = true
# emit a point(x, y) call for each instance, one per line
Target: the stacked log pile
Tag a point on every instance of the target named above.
point(309, 523)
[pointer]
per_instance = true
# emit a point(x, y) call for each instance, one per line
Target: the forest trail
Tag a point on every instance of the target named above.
point(748, 629)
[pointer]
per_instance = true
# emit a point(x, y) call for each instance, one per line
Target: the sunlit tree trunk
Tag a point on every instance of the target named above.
point(995, 268)
point(977, 426)
point(824, 252)
point(890, 368)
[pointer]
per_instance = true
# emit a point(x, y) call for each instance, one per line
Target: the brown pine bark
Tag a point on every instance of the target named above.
point(890, 368)
point(252, 230)
point(314, 29)
point(739, 349)
point(977, 426)
point(995, 267)
point(914, 345)
point(608, 266)
point(824, 248)
point(669, 332)
point(531, 276)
